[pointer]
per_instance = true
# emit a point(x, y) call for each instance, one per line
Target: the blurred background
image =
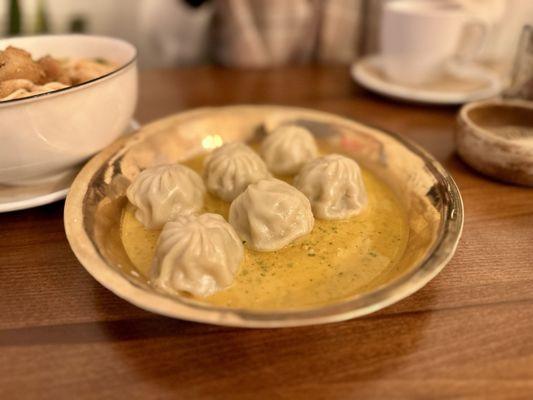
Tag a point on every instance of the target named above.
point(246, 33)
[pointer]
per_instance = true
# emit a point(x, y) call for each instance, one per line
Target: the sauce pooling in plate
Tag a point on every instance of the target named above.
point(338, 259)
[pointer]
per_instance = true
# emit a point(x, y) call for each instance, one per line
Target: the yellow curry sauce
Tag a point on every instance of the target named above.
point(336, 260)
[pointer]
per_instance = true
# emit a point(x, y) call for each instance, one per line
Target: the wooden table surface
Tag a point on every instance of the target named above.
point(467, 334)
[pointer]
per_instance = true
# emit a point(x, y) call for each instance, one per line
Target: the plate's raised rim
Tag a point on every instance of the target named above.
point(359, 73)
point(357, 306)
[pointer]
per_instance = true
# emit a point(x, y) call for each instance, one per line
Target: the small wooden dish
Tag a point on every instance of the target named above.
point(496, 138)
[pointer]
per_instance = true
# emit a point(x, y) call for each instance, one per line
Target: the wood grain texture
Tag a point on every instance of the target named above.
point(467, 334)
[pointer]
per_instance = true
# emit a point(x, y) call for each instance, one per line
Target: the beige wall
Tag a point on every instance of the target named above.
point(151, 25)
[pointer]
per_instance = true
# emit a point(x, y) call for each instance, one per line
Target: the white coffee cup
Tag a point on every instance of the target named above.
point(420, 38)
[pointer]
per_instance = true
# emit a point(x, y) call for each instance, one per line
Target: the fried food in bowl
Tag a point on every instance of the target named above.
point(62, 99)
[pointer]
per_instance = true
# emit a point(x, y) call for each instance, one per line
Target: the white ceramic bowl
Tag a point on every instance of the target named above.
point(46, 135)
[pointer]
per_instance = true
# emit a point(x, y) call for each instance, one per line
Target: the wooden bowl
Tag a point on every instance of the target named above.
point(496, 138)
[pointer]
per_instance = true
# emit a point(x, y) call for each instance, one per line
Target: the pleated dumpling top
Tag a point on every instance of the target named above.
point(334, 186)
point(196, 254)
point(287, 149)
point(270, 214)
point(161, 193)
point(229, 170)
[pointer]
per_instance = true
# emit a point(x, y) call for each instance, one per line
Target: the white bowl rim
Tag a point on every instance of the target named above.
point(79, 86)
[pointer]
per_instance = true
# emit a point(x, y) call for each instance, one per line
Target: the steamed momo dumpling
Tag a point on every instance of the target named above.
point(196, 254)
point(231, 168)
point(270, 214)
point(159, 194)
point(288, 148)
point(334, 186)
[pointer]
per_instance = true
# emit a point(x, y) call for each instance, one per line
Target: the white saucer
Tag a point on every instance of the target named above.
point(474, 83)
point(14, 198)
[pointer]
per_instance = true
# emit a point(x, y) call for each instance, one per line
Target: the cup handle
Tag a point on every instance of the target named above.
point(472, 39)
